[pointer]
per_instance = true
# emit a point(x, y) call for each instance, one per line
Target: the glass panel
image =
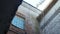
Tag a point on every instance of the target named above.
point(18, 22)
point(34, 2)
point(39, 4)
point(44, 5)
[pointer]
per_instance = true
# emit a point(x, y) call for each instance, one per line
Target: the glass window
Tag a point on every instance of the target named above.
point(34, 2)
point(18, 22)
point(39, 4)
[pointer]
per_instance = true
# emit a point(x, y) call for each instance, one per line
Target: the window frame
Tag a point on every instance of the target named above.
point(46, 10)
point(22, 16)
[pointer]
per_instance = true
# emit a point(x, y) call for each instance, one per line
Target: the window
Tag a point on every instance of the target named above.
point(34, 2)
point(18, 22)
point(39, 4)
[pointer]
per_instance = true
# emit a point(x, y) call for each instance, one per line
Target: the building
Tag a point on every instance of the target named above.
point(35, 19)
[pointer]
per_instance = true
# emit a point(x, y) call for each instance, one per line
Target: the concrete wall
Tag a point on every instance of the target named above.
point(31, 15)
